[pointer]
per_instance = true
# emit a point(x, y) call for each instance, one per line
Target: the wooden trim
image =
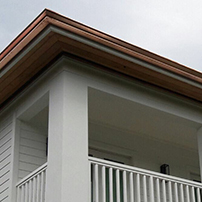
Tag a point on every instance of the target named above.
point(22, 44)
point(20, 37)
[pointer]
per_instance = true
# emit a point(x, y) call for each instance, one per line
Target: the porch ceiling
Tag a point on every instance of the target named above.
point(138, 119)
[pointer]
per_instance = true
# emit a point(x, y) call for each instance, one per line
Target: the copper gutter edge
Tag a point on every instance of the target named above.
point(23, 34)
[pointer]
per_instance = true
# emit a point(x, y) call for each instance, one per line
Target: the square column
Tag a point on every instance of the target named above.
point(68, 168)
point(199, 135)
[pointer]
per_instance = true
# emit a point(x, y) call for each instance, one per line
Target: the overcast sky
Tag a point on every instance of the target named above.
point(170, 28)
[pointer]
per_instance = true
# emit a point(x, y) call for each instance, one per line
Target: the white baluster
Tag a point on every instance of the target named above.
point(118, 194)
point(96, 183)
point(198, 195)
point(26, 192)
point(111, 185)
point(125, 198)
point(137, 188)
point(103, 184)
point(42, 187)
point(193, 198)
point(181, 193)
point(164, 191)
point(30, 191)
point(18, 194)
point(131, 188)
point(37, 188)
point(144, 189)
point(176, 197)
point(22, 193)
point(157, 190)
point(151, 189)
point(170, 196)
point(187, 193)
point(34, 190)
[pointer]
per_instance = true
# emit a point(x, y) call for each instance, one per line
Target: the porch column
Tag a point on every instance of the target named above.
point(68, 170)
point(199, 134)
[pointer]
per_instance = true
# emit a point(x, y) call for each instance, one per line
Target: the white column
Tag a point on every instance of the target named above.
point(68, 170)
point(199, 135)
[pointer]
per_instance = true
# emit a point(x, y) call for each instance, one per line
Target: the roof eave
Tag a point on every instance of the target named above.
point(57, 43)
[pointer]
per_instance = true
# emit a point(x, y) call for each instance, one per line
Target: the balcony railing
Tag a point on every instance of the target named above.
point(32, 187)
point(113, 182)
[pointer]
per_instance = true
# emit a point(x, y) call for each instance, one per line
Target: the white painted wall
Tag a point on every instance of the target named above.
point(6, 135)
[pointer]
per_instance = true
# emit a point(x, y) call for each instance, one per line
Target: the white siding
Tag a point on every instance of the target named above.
point(32, 149)
point(5, 157)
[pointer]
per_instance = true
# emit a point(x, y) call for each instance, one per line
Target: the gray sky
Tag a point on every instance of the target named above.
point(170, 28)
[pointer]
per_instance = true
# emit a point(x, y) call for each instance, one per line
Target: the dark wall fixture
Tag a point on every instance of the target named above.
point(165, 169)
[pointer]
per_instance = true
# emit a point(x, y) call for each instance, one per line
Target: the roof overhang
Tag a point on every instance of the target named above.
point(51, 35)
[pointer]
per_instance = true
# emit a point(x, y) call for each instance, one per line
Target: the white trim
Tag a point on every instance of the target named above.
point(32, 174)
point(14, 157)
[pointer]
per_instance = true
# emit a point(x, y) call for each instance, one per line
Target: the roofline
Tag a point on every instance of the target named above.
point(49, 18)
point(20, 37)
point(141, 54)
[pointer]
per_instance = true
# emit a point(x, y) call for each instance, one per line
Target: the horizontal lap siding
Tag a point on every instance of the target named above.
point(32, 149)
point(6, 133)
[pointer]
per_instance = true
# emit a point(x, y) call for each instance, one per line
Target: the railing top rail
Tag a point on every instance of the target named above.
point(144, 172)
point(32, 174)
